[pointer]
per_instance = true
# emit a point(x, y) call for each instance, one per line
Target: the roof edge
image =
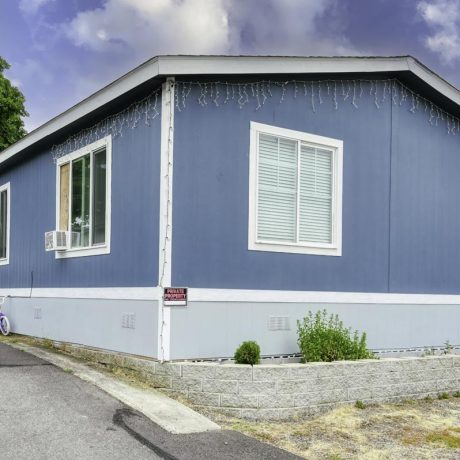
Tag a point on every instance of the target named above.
point(174, 65)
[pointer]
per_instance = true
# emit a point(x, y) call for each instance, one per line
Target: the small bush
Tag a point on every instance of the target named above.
point(443, 396)
point(248, 353)
point(360, 405)
point(457, 394)
point(323, 338)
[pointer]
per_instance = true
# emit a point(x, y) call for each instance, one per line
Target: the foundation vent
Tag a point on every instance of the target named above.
point(37, 313)
point(278, 323)
point(128, 321)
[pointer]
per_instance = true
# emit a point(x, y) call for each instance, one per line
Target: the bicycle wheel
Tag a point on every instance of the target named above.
point(5, 325)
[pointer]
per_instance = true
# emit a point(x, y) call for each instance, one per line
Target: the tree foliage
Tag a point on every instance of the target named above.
point(11, 110)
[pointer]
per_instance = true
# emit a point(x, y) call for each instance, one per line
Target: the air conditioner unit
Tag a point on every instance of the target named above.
point(57, 240)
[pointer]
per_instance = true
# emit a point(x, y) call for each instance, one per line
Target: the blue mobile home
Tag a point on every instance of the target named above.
point(267, 186)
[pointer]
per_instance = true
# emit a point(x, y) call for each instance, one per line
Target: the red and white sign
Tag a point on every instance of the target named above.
point(173, 296)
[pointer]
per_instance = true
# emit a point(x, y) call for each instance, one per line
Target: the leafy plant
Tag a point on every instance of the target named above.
point(429, 352)
point(447, 348)
point(443, 396)
point(360, 405)
point(248, 353)
point(325, 338)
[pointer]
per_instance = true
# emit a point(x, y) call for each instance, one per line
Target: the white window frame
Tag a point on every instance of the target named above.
point(6, 260)
point(336, 145)
point(99, 249)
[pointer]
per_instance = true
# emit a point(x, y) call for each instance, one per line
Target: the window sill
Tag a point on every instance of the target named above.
point(294, 249)
point(4, 261)
point(84, 252)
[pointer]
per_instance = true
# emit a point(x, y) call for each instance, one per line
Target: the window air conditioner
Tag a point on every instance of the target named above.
point(57, 240)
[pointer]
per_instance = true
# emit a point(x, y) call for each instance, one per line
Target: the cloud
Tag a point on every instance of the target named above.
point(152, 27)
point(110, 39)
point(443, 18)
point(147, 28)
point(31, 6)
point(287, 27)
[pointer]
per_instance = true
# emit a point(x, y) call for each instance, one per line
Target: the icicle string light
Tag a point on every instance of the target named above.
point(219, 93)
point(317, 91)
point(142, 111)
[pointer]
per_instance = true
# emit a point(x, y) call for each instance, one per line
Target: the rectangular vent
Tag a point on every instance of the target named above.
point(278, 323)
point(128, 320)
point(37, 313)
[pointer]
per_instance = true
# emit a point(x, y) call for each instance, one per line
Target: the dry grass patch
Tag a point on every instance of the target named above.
point(414, 430)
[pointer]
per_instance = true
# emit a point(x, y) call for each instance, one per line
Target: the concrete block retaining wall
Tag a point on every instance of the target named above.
point(280, 392)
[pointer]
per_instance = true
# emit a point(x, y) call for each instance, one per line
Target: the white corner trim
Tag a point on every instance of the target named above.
point(309, 297)
point(333, 249)
point(166, 183)
point(97, 249)
point(6, 260)
point(165, 219)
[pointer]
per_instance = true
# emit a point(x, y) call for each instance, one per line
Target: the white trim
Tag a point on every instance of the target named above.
point(114, 293)
point(165, 219)
point(237, 295)
point(102, 249)
point(166, 182)
point(7, 187)
point(271, 296)
point(333, 249)
point(231, 65)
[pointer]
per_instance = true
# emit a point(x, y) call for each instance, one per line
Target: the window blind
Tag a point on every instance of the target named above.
point(315, 204)
point(294, 196)
point(277, 189)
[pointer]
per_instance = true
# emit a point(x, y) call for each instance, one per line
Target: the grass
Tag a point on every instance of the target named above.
point(448, 438)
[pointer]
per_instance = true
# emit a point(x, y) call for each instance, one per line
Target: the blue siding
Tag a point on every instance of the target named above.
point(425, 206)
point(400, 173)
point(211, 192)
point(135, 208)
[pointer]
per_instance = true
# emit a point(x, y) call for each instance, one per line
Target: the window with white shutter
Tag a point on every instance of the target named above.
point(295, 192)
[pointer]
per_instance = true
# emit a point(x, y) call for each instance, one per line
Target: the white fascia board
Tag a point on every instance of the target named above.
point(434, 80)
point(230, 65)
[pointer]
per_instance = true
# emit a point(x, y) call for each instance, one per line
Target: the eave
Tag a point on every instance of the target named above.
point(162, 66)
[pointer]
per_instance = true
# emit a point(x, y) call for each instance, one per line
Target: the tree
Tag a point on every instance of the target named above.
point(11, 110)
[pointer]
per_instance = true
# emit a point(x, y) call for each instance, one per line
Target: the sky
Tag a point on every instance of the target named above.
point(61, 51)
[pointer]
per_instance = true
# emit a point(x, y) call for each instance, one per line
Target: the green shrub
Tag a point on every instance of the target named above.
point(360, 405)
point(248, 353)
point(323, 338)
